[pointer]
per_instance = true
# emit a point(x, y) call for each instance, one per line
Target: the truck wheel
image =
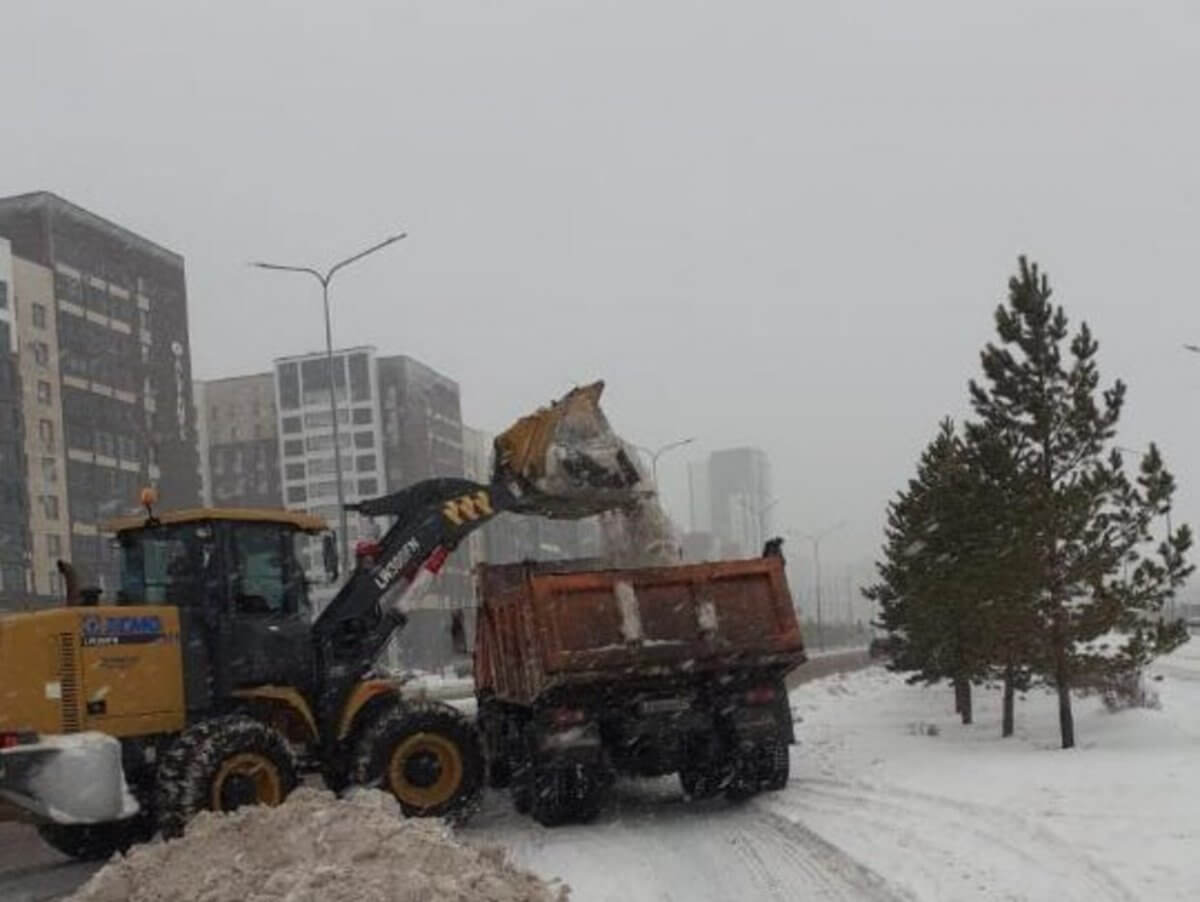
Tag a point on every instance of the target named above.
point(776, 764)
point(221, 765)
point(702, 781)
point(97, 842)
point(491, 728)
point(569, 793)
point(426, 754)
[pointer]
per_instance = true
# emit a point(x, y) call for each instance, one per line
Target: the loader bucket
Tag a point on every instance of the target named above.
point(567, 460)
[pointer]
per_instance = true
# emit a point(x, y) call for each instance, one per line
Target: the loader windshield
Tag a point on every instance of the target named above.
point(166, 564)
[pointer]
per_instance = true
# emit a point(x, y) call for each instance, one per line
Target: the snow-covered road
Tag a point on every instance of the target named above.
point(650, 844)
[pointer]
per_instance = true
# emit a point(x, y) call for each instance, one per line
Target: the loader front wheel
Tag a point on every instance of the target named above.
point(221, 765)
point(427, 755)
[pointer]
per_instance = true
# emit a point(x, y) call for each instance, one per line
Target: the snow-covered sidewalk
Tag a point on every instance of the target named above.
point(944, 812)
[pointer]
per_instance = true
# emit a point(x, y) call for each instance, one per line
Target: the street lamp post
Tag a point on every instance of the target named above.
point(758, 513)
point(815, 540)
point(655, 454)
point(325, 278)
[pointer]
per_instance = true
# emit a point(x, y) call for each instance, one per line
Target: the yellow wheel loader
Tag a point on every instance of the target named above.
point(205, 684)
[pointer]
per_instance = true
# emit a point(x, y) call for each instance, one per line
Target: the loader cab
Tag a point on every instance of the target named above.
point(237, 577)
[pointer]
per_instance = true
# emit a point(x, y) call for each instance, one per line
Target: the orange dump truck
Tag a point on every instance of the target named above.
point(584, 673)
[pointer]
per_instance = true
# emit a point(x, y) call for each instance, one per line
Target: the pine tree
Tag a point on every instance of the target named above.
point(1083, 522)
point(925, 589)
point(1001, 563)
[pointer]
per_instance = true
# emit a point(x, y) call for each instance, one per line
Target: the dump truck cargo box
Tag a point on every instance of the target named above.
point(549, 625)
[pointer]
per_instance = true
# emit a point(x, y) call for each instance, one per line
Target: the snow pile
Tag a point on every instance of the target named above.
point(640, 534)
point(567, 459)
point(315, 847)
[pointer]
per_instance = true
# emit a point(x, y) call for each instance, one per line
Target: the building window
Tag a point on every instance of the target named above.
point(364, 440)
point(3, 295)
point(294, 471)
point(46, 433)
point(322, 467)
point(53, 545)
point(293, 447)
point(364, 463)
point(39, 316)
point(368, 486)
point(296, 494)
point(291, 425)
point(321, 419)
point(49, 469)
point(41, 353)
point(325, 442)
point(50, 506)
point(104, 443)
point(363, 416)
point(323, 489)
point(360, 379)
point(43, 391)
point(289, 386)
point(66, 287)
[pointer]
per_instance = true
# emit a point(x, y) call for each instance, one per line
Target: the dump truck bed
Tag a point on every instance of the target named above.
point(542, 626)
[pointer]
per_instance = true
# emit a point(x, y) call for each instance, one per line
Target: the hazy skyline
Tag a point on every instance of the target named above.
point(767, 224)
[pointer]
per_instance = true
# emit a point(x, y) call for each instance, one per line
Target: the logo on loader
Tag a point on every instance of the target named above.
point(468, 507)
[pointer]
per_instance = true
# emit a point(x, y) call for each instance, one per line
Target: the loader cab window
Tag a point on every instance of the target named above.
point(167, 565)
point(266, 574)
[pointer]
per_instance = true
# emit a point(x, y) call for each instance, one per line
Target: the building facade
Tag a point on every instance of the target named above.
point(120, 355)
point(305, 429)
point(739, 498)
point(423, 438)
point(237, 426)
point(14, 529)
point(48, 514)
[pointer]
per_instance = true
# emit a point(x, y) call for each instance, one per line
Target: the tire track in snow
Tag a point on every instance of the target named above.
point(652, 845)
point(986, 851)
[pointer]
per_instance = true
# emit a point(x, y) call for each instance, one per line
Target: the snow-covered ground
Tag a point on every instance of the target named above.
point(891, 798)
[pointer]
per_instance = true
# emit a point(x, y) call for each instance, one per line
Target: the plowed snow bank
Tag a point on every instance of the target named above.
point(315, 847)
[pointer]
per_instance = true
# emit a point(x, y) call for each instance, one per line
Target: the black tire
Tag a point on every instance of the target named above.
point(220, 765)
point(492, 729)
point(566, 793)
point(97, 842)
point(703, 781)
point(776, 764)
point(428, 755)
point(761, 767)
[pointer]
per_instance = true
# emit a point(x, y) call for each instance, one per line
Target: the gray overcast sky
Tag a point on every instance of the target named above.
point(772, 223)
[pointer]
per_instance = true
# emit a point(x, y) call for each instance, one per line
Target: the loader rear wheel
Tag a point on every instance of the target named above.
point(427, 755)
point(221, 765)
point(97, 842)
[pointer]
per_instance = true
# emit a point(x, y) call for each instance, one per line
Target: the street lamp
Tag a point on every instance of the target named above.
point(655, 454)
point(325, 278)
point(815, 538)
point(758, 513)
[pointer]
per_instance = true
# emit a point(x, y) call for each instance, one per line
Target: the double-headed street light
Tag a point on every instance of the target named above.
point(656, 453)
point(325, 278)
